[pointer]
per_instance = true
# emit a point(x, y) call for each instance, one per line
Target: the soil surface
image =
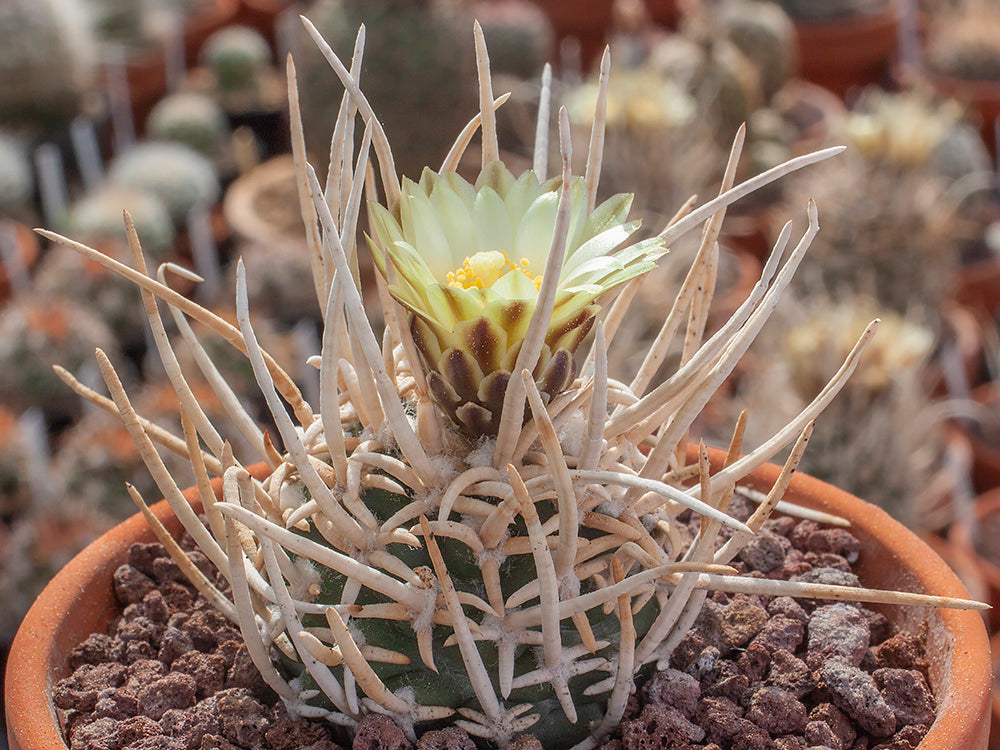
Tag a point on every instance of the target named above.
point(754, 673)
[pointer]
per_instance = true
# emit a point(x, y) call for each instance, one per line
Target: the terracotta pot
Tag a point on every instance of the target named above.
point(80, 601)
point(27, 249)
point(587, 21)
point(978, 287)
point(848, 52)
point(962, 536)
point(982, 96)
point(995, 726)
point(663, 12)
point(986, 454)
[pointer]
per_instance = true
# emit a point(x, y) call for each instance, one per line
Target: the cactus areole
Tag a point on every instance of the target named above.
point(471, 526)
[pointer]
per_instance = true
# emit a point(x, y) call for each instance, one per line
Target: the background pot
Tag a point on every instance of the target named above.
point(853, 51)
point(80, 601)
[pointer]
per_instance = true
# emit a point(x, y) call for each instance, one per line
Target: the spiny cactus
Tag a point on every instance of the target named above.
point(413, 45)
point(765, 34)
point(963, 43)
point(192, 119)
point(97, 218)
point(48, 63)
point(17, 181)
point(883, 437)
point(520, 578)
point(236, 55)
point(179, 176)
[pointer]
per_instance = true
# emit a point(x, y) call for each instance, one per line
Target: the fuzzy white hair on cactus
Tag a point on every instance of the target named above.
point(425, 545)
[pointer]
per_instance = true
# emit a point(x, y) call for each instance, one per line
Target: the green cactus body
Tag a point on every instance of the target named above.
point(194, 120)
point(412, 47)
point(177, 175)
point(522, 577)
point(766, 35)
point(48, 62)
point(236, 55)
point(17, 182)
point(963, 43)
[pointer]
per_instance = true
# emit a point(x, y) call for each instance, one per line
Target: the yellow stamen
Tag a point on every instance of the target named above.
point(485, 268)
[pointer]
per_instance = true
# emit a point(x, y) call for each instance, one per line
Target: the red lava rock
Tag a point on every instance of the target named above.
point(765, 551)
point(829, 576)
point(143, 672)
point(98, 735)
point(787, 606)
point(777, 711)
point(216, 742)
point(740, 621)
point(451, 738)
point(780, 525)
point(116, 704)
point(526, 742)
point(827, 560)
point(754, 662)
point(837, 720)
point(879, 625)
point(907, 693)
point(819, 734)
point(658, 727)
point(837, 631)
point(780, 632)
point(790, 673)
point(725, 680)
point(165, 569)
point(82, 689)
point(376, 732)
point(208, 671)
point(142, 556)
point(177, 596)
point(799, 536)
point(188, 728)
point(901, 651)
point(131, 585)
point(907, 738)
point(669, 687)
point(836, 541)
point(242, 719)
point(98, 648)
point(243, 674)
point(855, 692)
point(207, 628)
point(173, 644)
point(174, 690)
point(286, 733)
point(137, 728)
point(155, 607)
point(687, 651)
point(789, 742)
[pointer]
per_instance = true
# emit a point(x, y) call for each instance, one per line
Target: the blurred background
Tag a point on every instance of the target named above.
point(177, 111)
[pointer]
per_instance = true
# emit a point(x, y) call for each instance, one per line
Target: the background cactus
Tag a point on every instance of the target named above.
point(97, 218)
point(48, 63)
point(179, 176)
point(412, 47)
point(17, 180)
point(236, 55)
point(963, 42)
point(192, 119)
point(517, 580)
point(765, 34)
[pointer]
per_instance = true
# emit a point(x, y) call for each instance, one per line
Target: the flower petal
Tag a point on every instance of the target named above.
point(491, 223)
point(515, 285)
point(534, 234)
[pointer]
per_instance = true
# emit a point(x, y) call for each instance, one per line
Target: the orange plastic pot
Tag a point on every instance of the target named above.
point(79, 601)
point(848, 52)
point(962, 535)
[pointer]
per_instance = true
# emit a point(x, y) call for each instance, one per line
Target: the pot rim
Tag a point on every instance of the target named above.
point(38, 654)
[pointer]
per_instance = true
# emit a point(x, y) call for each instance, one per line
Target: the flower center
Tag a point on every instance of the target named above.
point(485, 268)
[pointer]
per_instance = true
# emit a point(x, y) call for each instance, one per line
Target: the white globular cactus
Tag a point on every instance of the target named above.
point(473, 523)
point(178, 175)
point(192, 119)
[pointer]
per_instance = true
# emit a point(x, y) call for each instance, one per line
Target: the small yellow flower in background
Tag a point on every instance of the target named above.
point(467, 263)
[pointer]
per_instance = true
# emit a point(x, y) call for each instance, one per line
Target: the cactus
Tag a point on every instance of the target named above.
point(811, 10)
point(464, 528)
point(520, 37)
point(412, 46)
point(125, 24)
point(963, 43)
point(887, 441)
point(17, 181)
point(765, 34)
point(236, 55)
point(179, 176)
point(36, 332)
point(194, 120)
point(97, 218)
point(48, 63)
